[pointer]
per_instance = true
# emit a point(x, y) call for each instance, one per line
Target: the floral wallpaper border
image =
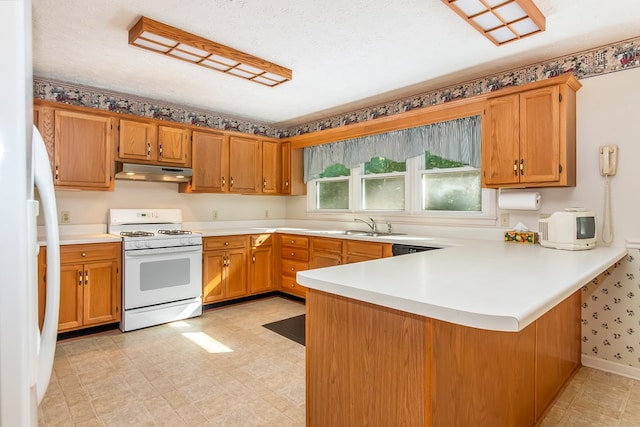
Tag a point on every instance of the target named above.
point(602, 60)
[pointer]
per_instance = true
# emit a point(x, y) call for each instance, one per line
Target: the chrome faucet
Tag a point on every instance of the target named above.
point(373, 226)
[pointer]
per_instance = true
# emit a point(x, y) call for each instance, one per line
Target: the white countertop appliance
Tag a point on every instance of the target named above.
point(573, 229)
point(162, 267)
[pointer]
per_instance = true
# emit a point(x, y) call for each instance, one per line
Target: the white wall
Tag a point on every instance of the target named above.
point(91, 207)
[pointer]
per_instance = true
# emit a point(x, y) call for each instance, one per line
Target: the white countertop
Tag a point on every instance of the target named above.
point(483, 284)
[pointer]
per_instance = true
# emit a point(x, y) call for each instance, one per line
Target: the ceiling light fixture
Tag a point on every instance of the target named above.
point(501, 21)
point(167, 40)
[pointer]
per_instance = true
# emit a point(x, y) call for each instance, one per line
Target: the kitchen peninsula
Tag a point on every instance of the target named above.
point(485, 333)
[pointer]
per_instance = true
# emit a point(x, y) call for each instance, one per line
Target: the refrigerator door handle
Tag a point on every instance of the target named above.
point(48, 336)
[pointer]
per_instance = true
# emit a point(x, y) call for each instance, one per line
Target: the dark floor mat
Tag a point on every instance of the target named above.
point(292, 328)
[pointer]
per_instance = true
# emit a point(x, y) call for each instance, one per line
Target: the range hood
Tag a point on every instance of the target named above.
point(139, 172)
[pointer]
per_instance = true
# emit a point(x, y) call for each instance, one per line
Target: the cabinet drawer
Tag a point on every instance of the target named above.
point(290, 268)
point(295, 254)
point(261, 239)
point(213, 243)
point(295, 241)
point(327, 245)
point(370, 250)
point(89, 252)
point(290, 285)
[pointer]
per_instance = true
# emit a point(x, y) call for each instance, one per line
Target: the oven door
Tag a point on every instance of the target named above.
point(156, 276)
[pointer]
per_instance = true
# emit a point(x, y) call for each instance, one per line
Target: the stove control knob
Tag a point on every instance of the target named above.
point(147, 244)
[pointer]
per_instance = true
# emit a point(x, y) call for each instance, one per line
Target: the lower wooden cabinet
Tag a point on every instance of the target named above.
point(294, 257)
point(224, 272)
point(356, 251)
point(261, 264)
point(90, 285)
point(325, 252)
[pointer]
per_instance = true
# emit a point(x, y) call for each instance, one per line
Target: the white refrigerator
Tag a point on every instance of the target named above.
point(26, 354)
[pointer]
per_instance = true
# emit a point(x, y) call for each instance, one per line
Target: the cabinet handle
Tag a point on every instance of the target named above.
point(223, 182)
point(522, 167)
point(84, 254)
point(86, 277)
point(80, 281)
point(264, 183)
point(515, 168)
point(160, 150)
point(225, 263)
point(253, 259)
point(57, 175)
point(230, 182)
point(286, 183)
point(148, 149)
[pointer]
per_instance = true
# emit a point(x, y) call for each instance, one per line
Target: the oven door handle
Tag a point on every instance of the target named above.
point(158, 251)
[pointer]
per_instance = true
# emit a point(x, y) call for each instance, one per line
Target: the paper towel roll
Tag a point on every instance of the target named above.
point(519, 200)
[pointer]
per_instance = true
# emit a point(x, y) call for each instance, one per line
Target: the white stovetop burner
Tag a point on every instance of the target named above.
point(150, 228)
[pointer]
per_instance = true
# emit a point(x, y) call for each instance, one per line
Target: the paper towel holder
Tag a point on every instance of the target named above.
point(519, 200)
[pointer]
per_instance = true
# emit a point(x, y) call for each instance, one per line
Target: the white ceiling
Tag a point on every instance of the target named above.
point(345, 54)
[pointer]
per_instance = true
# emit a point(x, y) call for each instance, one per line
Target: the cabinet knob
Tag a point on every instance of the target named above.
point(293, 285)
point(293, 253)
point(226, 243)
point(293, 269)
point(293, 241)
point(84, 254)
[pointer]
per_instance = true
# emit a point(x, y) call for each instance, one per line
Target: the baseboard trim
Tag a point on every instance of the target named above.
point(612, 367)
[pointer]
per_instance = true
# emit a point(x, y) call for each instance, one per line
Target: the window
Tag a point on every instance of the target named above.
point(383, 185)
point(448, 185)
point(332, 189)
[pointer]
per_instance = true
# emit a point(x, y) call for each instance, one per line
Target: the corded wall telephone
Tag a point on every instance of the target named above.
point(608, 160)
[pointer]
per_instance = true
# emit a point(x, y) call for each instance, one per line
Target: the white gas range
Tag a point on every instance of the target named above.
point(162, 267)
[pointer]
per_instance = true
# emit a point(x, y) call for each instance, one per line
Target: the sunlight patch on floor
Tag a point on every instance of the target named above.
point(206, 342)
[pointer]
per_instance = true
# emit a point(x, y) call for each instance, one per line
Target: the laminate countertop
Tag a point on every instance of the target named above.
point(482, 284)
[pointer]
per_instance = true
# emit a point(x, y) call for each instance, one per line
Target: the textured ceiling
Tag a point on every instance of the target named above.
point(344, 54)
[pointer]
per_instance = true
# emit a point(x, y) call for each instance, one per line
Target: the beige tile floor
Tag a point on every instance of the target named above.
point(225, 369)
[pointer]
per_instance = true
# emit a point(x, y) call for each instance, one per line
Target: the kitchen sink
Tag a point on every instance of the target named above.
point(357, 233)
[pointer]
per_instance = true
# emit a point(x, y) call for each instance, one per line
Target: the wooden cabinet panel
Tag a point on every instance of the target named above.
point(209, 164)
point(285, 162)
point(365, 250)
point(173, 145)
point(44, 119)
point(290, 268)
point(529, 138)
point(101, 300)
point(540, 135)
point(271, 167)
point(213, 280)
point(137, 140)
point(295, 254)
point(558, 349)
point(90, 285)
point(71, 300)
point(244, 165)
point(325, 252)
point(83, 157)
point(224, 273)
point(289, 285)
point(236, 273)
point(261, 269)
point(500, 157)
point(294, 241)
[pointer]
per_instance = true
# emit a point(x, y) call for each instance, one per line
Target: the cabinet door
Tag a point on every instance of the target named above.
point(324, 259)
point(101, 296)
point(236, 273)
point(244, 165)
point(540, 135)
point(71, 288)
point(174, 146)
point(271, 169)
point(44, 119)
point(285, 155)
point(261, 269)
point(212, 276)
point(83, 144)
point(500, 141)
point(137, 140)
point(209, 162)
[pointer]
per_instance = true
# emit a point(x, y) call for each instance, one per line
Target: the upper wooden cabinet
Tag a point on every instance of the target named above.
point(271, 167)
point(148, 142)
point(529, 138)
point(83, 150)
point(209, 165)
point(245, 161)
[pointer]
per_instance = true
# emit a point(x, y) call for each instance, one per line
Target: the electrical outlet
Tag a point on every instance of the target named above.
point(504, 220)
point(266, 213)
point(65, 217)
point(214, 214)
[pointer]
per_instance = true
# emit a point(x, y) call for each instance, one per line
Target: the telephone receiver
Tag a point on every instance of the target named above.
point(608, 160)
